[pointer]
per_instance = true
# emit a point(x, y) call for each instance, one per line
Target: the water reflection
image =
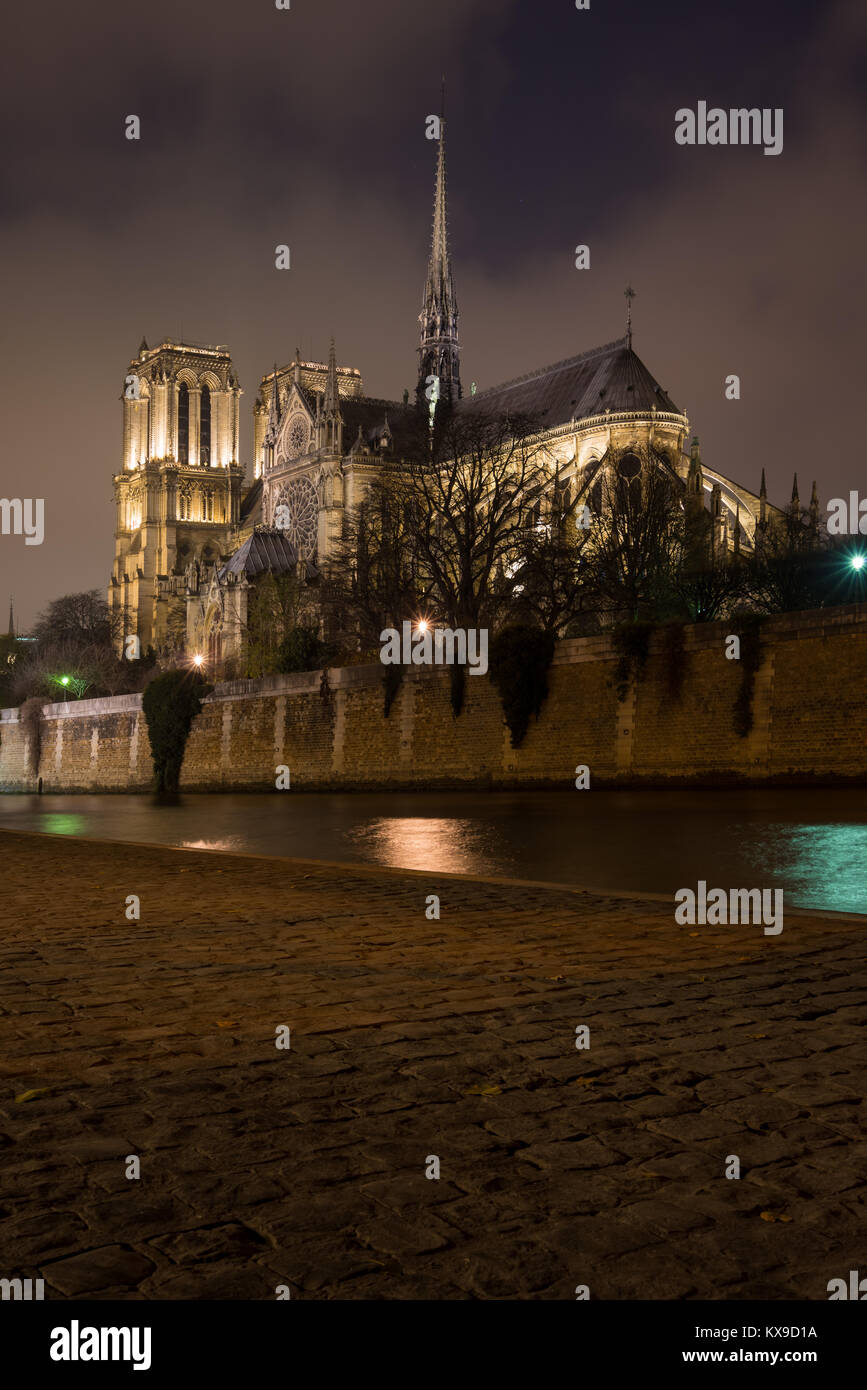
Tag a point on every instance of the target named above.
point(454, 845)
point(811, 842)
point(227, 844)
point(63, 823)
point(820, 865)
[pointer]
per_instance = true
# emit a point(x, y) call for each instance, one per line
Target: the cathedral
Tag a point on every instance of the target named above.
point(193, 533)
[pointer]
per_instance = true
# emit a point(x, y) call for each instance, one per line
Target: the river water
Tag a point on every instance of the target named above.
point(812, 843)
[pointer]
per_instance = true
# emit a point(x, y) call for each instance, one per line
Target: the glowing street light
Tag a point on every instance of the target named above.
point(422, 625)
point(198, 659)
point(858, 562)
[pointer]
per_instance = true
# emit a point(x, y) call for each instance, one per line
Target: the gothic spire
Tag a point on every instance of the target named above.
point(273, 426)
point(11, 632)
point(332, 416)
point(439, 353)
point(332, 392)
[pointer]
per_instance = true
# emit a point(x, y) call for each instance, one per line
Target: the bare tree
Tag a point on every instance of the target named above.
point(469, 506)
point(373, 582)
point(639, 536)
point(83, 620)
point(794, 566)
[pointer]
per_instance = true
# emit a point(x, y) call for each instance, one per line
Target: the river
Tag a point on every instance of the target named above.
point(812, 843)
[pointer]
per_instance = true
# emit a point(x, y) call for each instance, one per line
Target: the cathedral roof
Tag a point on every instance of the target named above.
point(612, 377)
point(371, 415)
point(251, 502)
point(266, 549)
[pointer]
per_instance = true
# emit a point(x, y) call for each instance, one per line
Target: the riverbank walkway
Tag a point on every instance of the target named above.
point(415, 1045)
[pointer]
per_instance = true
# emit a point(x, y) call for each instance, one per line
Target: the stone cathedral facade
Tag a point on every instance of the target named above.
point(193, 533)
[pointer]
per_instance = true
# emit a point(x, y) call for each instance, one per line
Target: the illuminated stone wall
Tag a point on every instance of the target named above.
point(810, 722)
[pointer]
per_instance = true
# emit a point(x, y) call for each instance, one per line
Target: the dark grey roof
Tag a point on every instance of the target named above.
point(612, 377)
point(403, 423)
point(268, 548)
point(251, 501)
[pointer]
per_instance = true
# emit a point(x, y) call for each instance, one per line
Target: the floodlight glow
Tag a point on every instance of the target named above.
point(858, 562)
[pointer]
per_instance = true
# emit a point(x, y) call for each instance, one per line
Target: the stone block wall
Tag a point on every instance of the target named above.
point(809, 708)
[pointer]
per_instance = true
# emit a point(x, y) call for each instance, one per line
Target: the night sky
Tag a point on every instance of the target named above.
point(307, 126)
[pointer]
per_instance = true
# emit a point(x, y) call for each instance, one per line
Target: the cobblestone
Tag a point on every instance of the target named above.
point(409, 1039)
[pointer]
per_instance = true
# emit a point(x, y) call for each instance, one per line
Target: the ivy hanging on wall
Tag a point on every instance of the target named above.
point(520, 659)
point(392, 679)
point(632, 643)
point(674, 650)
point(749, 630)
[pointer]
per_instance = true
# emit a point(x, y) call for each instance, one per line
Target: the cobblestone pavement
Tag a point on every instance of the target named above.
point(412, 1038)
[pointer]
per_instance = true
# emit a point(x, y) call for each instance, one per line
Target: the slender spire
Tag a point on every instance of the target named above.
point(332, 423)
point(814, 508)
point(272, 429)
point(763, 501)
point(332, 392)
point(796, 501)
point(439, 353)
point(11, 632)
point(297, 366)
point(629, 293)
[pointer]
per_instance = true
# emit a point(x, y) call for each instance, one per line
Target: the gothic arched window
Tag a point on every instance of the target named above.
point(183, 423)
point(205, 427)
point(629, 469)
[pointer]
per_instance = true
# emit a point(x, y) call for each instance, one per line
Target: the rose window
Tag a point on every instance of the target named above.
point(298, 436)
point(297, 513)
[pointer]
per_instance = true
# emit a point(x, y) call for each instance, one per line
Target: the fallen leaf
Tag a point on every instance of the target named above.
point(774, 1216)
point(757, 1035)
point(483, 1091)
point(31, 1095)
point(227, 1023)
point(586, 1080)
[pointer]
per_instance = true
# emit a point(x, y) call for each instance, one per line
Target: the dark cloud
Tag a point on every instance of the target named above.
point(307, 126)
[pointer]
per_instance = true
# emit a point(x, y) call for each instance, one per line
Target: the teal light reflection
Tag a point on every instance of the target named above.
point(821, 866)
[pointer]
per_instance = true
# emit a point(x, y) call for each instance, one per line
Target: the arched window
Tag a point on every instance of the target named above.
point(183, 423)
point(629, 469)
point(205, 428)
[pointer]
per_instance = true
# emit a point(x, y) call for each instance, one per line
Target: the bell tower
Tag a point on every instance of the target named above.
point(178, 492)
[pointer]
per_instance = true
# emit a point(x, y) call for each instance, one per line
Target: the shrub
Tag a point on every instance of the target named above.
point(170, 704)
point(520, 658)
